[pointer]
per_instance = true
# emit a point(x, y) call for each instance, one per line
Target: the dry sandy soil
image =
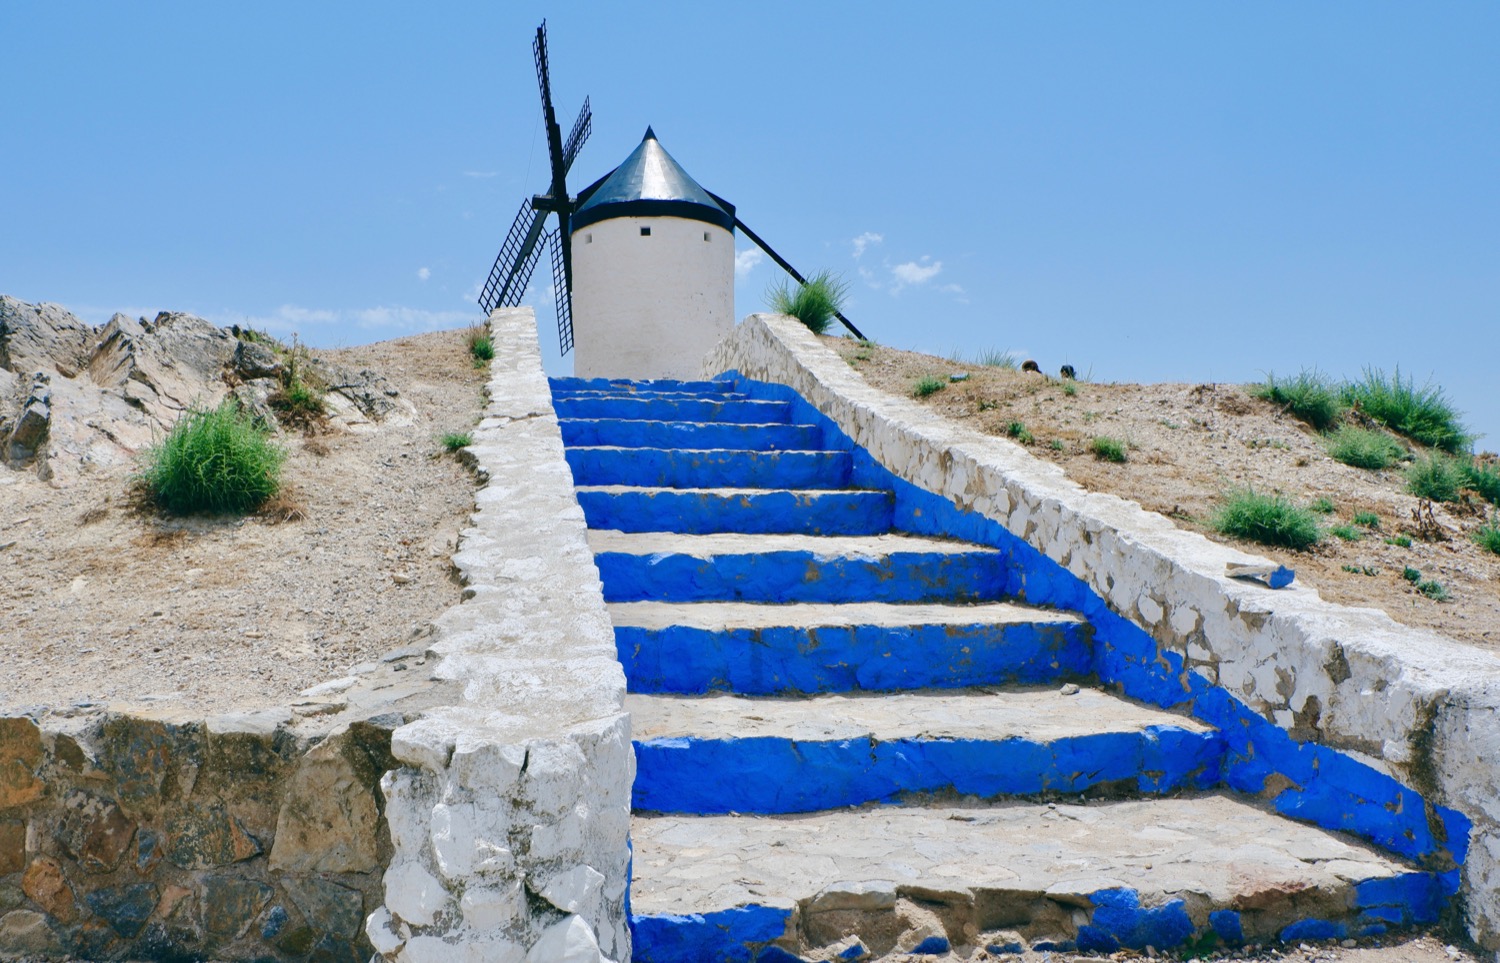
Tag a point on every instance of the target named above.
point(1187, 444)
point(107, 603)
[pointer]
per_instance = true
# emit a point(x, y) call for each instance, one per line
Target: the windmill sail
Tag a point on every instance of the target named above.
point(513, 266)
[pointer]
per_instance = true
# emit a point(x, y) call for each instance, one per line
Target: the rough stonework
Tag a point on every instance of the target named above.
point(157, 835)
point(510, 810)
point(1406, 702)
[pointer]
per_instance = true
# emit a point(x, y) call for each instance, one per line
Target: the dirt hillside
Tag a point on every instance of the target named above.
point(1187, 444)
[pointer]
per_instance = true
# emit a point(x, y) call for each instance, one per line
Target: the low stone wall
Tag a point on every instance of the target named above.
point(151, 834)
point(509, 811)
point(1402, 705)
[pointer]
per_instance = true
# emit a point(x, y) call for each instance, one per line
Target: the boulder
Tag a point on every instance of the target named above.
point(42, 336)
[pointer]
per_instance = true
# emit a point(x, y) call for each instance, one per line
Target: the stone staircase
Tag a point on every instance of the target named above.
point(850, 742)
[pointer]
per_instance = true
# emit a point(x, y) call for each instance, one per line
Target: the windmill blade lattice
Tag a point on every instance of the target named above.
point(507, 281)
point(562, 286)
point(515, 262)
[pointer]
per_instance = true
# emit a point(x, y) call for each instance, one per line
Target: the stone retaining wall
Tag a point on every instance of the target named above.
point(151, 834)
point(1396, 701)
point(509, 811)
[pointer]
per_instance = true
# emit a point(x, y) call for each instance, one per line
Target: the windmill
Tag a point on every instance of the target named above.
point(518, 255)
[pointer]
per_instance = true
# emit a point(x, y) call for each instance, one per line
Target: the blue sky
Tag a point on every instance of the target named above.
point(1150, 191)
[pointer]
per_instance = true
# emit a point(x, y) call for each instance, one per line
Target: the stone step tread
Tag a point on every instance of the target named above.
point(1033, 714)
point(714, 451)
point(752, 615)
point(687, 425)
point(736, 543)
point(1210, 846)
point(730, 491)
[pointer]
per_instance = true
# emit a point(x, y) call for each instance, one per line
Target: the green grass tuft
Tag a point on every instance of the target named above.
point(1411, 575)
point(1422, 414)
point(454, 440)
point(1268, 519)
point(1487, 536)
point(1019, 432)
point(1311, 396)
point(1436, 477)
point(1367, 519)
point(1346, 532)
point(212, 460)
point(1056, 444)
point(1484, 478)
point(815, 303)
point(1400, 541)
point(481, 347)
point(1363, 447)
point(1108, 449)
point(995, 358)
point(1433, 589)
point(928, 386)
point(1323, 505)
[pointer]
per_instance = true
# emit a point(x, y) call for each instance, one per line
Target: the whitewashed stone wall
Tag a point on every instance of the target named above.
point(1414, 703)
point(510, 813)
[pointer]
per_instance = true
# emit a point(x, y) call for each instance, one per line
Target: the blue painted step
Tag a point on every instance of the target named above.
point(700, 511)
point(785, 568)
point(683, 434)
point(708, 468)
point(805, 649)
point(724, 754)
point(626, 387)
point(683, 408)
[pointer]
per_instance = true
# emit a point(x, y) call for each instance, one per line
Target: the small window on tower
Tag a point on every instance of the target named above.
point(645, 232)
point(588, 239)
point(705, 235)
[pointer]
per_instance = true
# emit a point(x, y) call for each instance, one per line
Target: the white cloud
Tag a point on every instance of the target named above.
point(745, 261)
point(915, 272)
point(481, 173)
point(952, 289)
point(865, 240)
point(423, 273)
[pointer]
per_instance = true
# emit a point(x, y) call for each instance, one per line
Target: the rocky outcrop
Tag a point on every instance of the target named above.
point(75, 398)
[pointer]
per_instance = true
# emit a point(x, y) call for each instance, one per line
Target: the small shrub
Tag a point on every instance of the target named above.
point(1433, 589)
point(815, 303)
point(1070, 389)
point(1422, 414)
point(1056, 444)
point(481, 348)
point(928, 386)
point(212, 460)
point(1108, 449)
point(1411, 575)
point(1346, 532)
point(1268, 519)
point(1400, 541)
point(1363, 447)
point(454, 440)
point(1484, 478)
point(1019, 432)
point(1311, 396)
point(1436, 477)
point(1367, 519)
point(1487, 536)
point(1323, 505)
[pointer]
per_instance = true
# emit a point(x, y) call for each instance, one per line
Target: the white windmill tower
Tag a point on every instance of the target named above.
point(653, 270)
point(645, 251)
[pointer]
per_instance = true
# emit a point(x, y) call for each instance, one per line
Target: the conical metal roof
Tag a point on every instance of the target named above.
point(651, 184)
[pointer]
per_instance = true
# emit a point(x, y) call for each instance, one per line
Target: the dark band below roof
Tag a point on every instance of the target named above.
point(651, 184)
